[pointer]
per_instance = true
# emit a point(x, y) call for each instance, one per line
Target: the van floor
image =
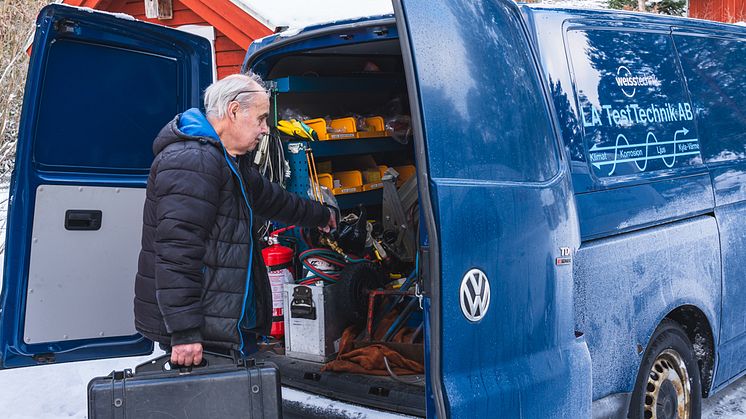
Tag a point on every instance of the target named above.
point(368, 390)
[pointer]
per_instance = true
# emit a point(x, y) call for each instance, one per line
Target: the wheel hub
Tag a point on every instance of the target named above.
point(668, 392)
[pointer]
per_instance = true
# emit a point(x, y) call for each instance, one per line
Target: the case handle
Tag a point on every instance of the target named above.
point(163, 363)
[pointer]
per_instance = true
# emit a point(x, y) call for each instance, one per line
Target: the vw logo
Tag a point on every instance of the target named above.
point(474, 295)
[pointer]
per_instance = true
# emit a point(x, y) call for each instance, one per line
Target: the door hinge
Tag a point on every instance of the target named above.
point(65, 26)
point(423, 285)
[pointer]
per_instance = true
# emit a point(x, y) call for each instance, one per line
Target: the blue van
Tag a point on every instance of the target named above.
point(579, 177)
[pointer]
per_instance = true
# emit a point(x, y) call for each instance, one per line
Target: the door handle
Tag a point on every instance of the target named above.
point(89, 220)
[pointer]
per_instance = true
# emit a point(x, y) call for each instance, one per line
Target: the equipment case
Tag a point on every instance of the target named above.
point(223, 388)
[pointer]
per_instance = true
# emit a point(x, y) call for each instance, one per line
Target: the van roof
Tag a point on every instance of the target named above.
point(561, 13)
point(570, 12)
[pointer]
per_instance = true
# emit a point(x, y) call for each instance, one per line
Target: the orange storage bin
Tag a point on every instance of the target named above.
point(318, 125)
point(372, 179)
point(342, 128)
point(371, 175)
point(374, 128)
point(326, 179)
point(374, 123)
point(347, 182)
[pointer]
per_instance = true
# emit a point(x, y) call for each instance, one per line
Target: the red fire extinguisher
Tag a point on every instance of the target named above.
point(279, 261)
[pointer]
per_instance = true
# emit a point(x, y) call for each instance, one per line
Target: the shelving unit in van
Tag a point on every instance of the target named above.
point(361, 83)
point(321, 92)
point(297, 158)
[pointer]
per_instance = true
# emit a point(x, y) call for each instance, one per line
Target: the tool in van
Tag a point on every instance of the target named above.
point(395, 221)
point(297, 129)
point(313, 177)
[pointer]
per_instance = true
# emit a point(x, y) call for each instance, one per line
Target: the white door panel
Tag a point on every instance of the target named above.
point(81, 283)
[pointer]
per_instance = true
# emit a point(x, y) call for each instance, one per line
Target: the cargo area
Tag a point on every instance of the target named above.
point(348, 320)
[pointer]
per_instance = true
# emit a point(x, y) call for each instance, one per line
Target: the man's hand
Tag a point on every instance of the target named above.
point(187, 354)
point(332, 222)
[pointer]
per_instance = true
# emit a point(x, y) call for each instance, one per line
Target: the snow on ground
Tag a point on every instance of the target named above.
point(54, 391)
point(728, 403)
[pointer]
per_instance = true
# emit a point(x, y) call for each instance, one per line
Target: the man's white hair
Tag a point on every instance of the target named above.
point(243, 88)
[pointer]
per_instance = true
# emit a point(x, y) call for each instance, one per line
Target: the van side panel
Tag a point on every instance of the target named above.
point(628, 208)
point(714, 65)
point(625, 284)
point(650, 237)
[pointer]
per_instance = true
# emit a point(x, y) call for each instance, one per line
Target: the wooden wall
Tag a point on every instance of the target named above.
point(720, 10)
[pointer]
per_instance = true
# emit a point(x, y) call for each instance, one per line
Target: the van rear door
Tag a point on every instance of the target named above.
point(500, 212)
point(99, 89)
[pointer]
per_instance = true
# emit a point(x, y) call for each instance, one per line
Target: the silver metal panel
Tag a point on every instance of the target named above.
point(315, 340)
point(81, 283)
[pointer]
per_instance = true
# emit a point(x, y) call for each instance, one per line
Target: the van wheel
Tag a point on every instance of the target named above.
point(668, 384)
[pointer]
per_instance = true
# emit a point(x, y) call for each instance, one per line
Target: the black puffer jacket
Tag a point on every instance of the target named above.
point(192, 271)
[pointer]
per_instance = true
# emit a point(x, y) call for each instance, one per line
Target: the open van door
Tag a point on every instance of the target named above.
point(99, 88)
point(500, 214)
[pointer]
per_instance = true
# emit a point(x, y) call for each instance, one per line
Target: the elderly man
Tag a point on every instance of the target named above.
point(201, 282)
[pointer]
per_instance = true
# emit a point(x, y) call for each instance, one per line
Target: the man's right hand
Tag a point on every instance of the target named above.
point(332, 223)
point(187, 354)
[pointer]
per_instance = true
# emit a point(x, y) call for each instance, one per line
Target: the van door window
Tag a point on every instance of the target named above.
point(714, 71)
point(122, 99)
point(497, 131)
point(635, 113)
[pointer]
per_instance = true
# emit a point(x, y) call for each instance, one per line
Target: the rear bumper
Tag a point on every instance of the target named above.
point(299, 404)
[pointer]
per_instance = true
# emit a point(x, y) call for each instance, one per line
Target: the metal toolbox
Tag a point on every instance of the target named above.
point(315, 318)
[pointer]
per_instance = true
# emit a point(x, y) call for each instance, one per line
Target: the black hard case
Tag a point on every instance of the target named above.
point(223, 388)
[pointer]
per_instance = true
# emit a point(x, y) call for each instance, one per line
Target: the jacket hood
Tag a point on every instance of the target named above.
point(190, 125)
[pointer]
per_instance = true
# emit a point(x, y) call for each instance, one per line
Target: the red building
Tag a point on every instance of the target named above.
point(720, 10)
point(232, 28)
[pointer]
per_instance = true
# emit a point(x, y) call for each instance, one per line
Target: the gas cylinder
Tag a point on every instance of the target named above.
point(279, 261)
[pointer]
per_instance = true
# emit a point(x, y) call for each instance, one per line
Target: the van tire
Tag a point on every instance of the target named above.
point(667, 363)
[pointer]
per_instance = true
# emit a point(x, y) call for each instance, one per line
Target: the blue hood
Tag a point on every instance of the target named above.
point(194, 123)
point(190, 125)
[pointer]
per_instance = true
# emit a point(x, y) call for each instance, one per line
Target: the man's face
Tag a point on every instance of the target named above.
point(250, 124)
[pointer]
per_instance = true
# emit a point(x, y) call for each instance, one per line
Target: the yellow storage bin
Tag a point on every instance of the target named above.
point(318, 125)
point(372, 179)
point(347, 182)
point(374, 123)
point(371, 175)
point(342, 128)
point(374, 128)
point(326, 179)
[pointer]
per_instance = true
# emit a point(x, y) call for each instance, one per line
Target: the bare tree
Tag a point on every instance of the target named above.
point(16, 28)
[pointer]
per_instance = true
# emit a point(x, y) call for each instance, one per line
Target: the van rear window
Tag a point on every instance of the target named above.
point(635, 112)
point(102, 107)
point(714, 70)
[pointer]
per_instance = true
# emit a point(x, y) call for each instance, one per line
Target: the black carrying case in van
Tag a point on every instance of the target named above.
point(222, 388)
